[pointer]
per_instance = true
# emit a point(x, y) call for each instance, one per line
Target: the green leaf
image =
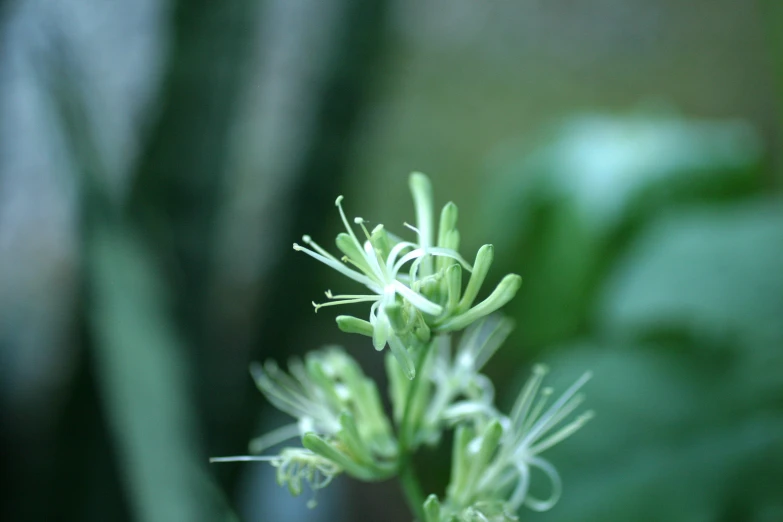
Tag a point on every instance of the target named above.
point(715, 272)
point(143, 380)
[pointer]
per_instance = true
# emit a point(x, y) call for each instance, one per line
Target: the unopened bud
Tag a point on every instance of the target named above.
point(350, 324)
point(505, 291)
point(484, 258)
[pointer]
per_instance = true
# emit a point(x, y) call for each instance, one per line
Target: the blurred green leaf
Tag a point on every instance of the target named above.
point(143, 377)
point(142, 367)
point(715, 271)
point(662, 446)
point(574, 200)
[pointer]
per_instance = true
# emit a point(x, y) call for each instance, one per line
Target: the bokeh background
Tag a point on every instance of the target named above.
point(158, 158)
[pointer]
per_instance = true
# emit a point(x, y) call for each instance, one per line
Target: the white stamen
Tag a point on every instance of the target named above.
point(353, 274)
point(338, 203)
point(365, 299)
point(309, 241)
point(245, 458)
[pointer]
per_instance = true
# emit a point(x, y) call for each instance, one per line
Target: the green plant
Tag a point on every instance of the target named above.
point(417, 303)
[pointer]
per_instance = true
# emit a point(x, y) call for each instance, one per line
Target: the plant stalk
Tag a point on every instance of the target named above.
point(410, 484)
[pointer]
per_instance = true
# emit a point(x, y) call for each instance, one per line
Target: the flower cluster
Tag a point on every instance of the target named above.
point(491, 467)
point(340, 420)
point(417, 302)
point(408, 305)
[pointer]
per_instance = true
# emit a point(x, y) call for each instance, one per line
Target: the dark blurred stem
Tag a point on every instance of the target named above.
point(408, 480)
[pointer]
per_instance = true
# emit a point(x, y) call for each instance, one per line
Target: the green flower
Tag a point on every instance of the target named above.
point(495, 464)
point(408, 304)
point(295, 465)
point(332, 399)
point(339, 416)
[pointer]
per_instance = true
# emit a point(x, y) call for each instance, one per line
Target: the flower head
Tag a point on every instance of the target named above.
point(496, 463)
point(325, 393)
point(339, 417)
point(294, 466)
point(415, 287)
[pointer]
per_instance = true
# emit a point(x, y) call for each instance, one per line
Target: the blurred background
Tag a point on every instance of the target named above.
point(158, 159)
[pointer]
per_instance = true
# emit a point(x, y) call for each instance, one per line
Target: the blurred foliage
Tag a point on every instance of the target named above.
point(653, 261)
point(572, 203)
point(154, 384)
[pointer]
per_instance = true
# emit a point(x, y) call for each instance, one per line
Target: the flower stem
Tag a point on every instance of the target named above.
point(410, 484)
point(411, 488)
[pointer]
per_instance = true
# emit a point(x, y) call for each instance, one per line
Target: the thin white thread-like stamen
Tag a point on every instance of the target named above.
point(408, 225)
point(536, 410)
point(309, 242)
point(274, 437)
point(356, 276)
point(338, 204)
point(562, 434)
point(523, 484)
point(246, 458)
point(349, 296)
point(552, 411)
point(522, 405)
point(557, 486)
point(318, 306)
point(561, 414)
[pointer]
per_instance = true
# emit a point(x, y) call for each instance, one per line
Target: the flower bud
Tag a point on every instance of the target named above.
point(460, 461)
point(350, 324)
point(448, 221)
point(432, 509)
point(505, 291)
point(446, 225)
point(484, 258)
point(453, 286)
point(421, 190)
